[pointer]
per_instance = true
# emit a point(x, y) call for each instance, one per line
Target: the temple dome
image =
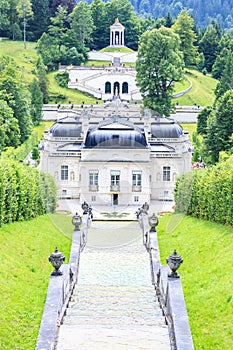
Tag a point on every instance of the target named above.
point(67, 127)
point(166, 128)
point(115, 134)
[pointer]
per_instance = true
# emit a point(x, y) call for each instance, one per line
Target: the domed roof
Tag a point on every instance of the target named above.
point(166, 128)
point(67, 127)
point(115, 134)
point(117, 24)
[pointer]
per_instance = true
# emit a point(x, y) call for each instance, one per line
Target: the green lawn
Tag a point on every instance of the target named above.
point(25, 270)
point(191, 127)
point(116, 49)
point(181, 85)
point(25, 59)
point(65, 95)
point(202, 92)
point(206, 274)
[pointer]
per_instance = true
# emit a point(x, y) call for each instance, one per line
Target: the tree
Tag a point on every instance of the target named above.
point(13, 90)
point(169, 20)
point(40, 21)
point(209, 45)
point(9, 128)
point(42, 80)
point(226, 81)
point(68, 5)
point(219, 128)
point(158, 66)
point(99, 34)
point(36, 102)
point(4, 16)
point(58, 28)
point(211, 147)
point(183, 26)
point(60, 44)
point(24, 9)
point(202, 120)
point(82, 23)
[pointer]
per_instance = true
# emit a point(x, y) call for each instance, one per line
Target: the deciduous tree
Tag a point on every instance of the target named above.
point(82, 22)
point(158, 66)
point(183, 26)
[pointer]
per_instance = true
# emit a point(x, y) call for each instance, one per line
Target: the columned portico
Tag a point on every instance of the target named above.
point(117, 34)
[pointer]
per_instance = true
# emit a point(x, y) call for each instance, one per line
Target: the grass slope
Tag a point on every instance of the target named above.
point(116, 49)
point(206, 273)
point(25, 59)
point(25, 270)
point(202, 92)
point(62, 95)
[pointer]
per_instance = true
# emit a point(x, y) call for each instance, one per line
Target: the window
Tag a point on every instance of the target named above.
point(107, 87)
point(137, 178)
point(64, 192)
point(166, 173)
point(136, 199)
point(64, 172)
point(166, 194)
point(115, 178)
point(93, 177)
point(125, 88)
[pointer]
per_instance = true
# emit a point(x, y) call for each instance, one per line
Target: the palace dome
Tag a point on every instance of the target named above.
point(115, 135)
point(67, 127)
point(165, 128)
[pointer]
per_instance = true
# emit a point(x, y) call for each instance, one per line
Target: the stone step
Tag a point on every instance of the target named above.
point(114, 305)
point(106, 311)
point(107, 338)
point(114, 321)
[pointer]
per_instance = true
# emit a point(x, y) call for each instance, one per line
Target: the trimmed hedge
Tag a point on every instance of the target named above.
point(207, 193)
point(24, 192)
point(21, 152)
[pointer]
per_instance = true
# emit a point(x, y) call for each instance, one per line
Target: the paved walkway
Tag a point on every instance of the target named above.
point(122, 212)
point(114, 304)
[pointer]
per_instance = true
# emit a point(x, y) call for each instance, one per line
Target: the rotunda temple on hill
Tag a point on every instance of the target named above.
point(115, 77)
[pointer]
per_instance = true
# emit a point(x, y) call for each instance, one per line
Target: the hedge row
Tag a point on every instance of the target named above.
point(207, 193)
point(21, 152)
point(24, 192)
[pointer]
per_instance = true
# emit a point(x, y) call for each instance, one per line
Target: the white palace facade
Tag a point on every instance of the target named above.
point(112, 154)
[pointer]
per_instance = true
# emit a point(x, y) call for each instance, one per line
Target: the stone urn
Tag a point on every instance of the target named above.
point(153, 221)
point(56, 259)
point(174, 261)
point(76, 221)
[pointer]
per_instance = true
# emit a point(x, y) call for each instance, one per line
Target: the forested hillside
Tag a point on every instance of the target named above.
point(203, 11)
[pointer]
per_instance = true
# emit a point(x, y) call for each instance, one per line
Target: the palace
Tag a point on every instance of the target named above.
point(112, 154)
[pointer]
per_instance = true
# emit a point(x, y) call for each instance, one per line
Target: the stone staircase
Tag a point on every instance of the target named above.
point(114, 304)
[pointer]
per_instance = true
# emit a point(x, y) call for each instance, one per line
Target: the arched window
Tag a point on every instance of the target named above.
point(116, 88)
point(125, 88)
point(107, 87)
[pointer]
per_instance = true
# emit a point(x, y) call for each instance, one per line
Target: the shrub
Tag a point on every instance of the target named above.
point(207, 193)
point(62, 79)
point(24, 192)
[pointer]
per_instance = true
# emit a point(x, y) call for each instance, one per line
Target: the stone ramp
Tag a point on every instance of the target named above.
point(114, 304)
